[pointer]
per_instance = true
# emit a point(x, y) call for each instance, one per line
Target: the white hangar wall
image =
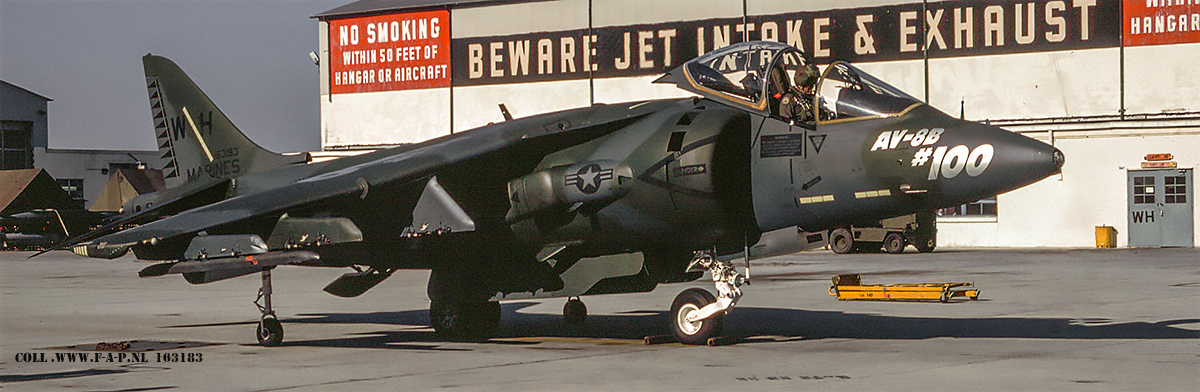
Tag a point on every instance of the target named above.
point(616, 13)
point(1163, 78)
point(1028, 85)
point(476, 106)
point(1073, 73)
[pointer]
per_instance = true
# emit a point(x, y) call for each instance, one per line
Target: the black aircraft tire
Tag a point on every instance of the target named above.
point(925, 246)
point(270, 332)
point(696, 333)
point(574, 312)
point(464, 321)
point(841, 242)
point(894, 243)
point(490, 319)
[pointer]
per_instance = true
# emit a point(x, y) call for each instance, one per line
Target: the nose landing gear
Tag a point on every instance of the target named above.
point(696, 314)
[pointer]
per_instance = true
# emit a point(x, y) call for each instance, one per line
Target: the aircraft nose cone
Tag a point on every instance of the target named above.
point(1059, 159)
point(1025, 159)
point(981, 161)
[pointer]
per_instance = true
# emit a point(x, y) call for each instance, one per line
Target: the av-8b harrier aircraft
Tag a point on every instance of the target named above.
point(607, 199)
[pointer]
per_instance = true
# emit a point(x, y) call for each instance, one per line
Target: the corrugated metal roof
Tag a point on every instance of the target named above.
point(367, 7)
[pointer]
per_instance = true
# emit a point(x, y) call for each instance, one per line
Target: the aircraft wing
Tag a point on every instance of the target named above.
point(564, 128)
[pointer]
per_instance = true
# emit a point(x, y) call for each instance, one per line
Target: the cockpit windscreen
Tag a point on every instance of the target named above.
point(849, 92)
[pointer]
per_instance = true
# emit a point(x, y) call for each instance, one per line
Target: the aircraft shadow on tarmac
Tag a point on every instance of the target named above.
point(745, 325)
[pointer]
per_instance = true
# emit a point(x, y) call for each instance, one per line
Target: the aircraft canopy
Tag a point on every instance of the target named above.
point(754, 75)
point(848, 92)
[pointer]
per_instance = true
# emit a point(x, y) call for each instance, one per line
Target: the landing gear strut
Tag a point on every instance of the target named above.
point(270, 330)
point(696, 315)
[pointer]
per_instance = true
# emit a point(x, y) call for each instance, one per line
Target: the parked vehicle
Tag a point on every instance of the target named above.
point(891, 235)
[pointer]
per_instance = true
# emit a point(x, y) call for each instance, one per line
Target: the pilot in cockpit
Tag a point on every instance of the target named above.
point(796, 102)
point(777, 86)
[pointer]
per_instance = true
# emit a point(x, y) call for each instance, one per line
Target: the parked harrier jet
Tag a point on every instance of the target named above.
point(607, 199)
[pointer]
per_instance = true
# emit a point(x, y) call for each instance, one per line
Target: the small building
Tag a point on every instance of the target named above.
point(86, 173)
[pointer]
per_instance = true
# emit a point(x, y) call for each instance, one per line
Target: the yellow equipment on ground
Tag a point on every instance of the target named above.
point(849, 287)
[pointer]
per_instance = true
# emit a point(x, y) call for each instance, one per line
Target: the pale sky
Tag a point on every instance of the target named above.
point(250, 57)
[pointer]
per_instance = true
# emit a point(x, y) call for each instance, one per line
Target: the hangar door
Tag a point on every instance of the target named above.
point(1160, 207)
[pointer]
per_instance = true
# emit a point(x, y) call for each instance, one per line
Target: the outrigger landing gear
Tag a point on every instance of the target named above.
point(574, 311)
point(696, 315)
point(270, 330)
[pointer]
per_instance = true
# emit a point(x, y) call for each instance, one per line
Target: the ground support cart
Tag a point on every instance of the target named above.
point(850, 287)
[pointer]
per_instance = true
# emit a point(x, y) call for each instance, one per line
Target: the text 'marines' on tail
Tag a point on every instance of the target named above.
point(196, 141)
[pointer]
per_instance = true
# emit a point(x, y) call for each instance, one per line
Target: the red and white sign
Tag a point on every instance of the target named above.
point(1160, 22)
point(389, 52)
point(1160, 165)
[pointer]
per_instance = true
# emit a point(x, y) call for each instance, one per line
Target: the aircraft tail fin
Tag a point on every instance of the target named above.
point(196, 142)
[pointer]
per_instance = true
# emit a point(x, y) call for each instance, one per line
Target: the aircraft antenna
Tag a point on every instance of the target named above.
point(746, 244)
point(504, 111)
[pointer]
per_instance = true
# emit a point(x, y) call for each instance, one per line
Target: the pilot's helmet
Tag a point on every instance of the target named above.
point(807, 75)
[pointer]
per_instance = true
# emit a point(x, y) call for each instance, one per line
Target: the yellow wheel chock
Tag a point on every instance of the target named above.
point(850, 287)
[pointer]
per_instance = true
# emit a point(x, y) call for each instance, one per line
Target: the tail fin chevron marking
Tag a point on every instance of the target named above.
point(166, 147)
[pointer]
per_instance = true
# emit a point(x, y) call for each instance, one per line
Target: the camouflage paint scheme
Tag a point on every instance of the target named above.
point(611, 198)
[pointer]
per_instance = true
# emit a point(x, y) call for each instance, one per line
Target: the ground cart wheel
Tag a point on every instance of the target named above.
point(840, 241)
point(894, 243)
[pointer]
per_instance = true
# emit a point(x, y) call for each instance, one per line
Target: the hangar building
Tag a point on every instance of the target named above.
point(24, 144)
point(1112, 84)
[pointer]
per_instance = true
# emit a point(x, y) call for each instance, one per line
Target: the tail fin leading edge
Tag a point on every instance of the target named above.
point(196, 141)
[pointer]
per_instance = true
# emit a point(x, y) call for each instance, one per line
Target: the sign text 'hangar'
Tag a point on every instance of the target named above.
point(1159, 22)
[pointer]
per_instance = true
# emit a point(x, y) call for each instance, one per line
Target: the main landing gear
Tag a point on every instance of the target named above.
point(270, 330)
point(697, 316)
point(464, 321)
point(475, 321)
